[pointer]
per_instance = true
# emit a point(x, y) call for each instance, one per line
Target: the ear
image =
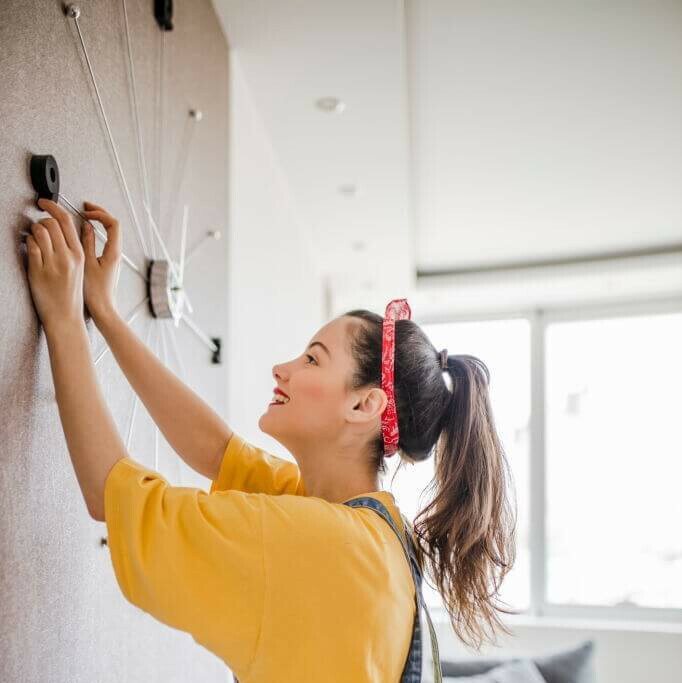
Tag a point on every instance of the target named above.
point(370, 405)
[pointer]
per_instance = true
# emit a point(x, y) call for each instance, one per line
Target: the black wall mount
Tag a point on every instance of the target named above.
point(45, 177)
point(163, 11)
point(216, 360)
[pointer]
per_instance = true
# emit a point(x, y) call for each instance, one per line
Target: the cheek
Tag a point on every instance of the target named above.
point(314, 390)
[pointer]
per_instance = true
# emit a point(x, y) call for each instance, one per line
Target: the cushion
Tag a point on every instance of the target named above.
point(517, 671)
point(570, 666)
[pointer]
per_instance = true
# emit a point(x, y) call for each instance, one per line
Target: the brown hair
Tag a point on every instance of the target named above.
point(467, 533)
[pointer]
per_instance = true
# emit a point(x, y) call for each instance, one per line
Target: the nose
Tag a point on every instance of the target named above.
point(276, 372)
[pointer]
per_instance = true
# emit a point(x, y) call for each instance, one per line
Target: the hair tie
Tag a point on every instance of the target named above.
point(444, 359)
point(397, 309)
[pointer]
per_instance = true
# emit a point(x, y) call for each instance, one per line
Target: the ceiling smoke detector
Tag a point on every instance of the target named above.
point(330, 104)
point(347, 190)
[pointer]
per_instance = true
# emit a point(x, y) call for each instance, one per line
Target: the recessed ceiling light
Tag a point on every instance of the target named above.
point(358, 246)
point(331, 104)
point(348, 190)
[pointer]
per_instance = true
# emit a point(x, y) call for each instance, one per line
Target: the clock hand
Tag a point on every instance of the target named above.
point(161, 242)
point(183, 243)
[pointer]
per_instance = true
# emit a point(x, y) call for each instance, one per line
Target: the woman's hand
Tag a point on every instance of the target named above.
point(101, 272)
point(55, 267)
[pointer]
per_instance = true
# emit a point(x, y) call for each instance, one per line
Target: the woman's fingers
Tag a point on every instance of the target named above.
point(55, 232)
point(112, 248)
point(42, 238)
point(88, 239)
point(35, 256)
point(64, 223)
point(106, 219)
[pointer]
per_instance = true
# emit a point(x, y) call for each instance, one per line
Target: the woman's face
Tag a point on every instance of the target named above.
point(315, 381)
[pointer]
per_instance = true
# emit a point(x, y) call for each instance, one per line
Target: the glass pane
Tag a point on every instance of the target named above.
point(504, 346)
point(614, 461)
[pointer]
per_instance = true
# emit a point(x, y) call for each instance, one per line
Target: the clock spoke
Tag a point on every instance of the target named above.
point(137, 398)
point(165, 330)
point(194, 117)
point(199, 333)
point(73, 12)
point(166, 361)
point(129, 320)
point(183, 242)
point(215, 234)
point(102, 235)
point(156, 427)
point(152, 222)
point(159, 125)
point(138, 129)
point(186, 300)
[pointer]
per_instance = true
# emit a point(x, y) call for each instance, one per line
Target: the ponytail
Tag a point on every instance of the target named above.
point(466, 535)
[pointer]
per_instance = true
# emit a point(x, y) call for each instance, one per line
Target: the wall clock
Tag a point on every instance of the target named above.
point(165, 298)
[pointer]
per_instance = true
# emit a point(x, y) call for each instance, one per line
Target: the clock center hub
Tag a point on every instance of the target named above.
point(165, 291)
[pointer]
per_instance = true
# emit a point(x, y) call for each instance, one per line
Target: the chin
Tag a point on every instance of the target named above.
point(262, 419)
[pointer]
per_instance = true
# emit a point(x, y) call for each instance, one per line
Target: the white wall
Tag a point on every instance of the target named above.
point(275, 293)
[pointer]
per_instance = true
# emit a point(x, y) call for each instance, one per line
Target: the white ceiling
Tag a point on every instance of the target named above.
point(477, 133)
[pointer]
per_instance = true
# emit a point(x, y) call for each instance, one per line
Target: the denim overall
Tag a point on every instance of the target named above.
point(415, 670)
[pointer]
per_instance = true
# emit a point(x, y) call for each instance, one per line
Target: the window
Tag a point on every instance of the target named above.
point(614, 461)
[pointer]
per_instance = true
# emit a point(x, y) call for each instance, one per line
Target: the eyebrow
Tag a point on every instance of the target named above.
point(322, 345)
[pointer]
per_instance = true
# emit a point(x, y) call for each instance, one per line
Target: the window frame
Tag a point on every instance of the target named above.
point(539, 319)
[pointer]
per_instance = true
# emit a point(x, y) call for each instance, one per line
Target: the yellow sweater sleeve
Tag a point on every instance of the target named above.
point(247, 468)
point(193, 561)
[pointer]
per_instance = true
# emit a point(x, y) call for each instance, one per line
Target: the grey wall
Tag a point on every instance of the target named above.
point(62, 616)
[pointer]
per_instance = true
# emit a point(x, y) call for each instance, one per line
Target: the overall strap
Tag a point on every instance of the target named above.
point(410, 552)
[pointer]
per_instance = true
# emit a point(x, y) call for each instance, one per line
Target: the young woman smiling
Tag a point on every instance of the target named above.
point(302, 571)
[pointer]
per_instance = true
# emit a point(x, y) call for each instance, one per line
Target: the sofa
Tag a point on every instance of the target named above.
point(576, 665)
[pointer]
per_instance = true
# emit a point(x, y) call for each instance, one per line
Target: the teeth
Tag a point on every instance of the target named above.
point(280, 399)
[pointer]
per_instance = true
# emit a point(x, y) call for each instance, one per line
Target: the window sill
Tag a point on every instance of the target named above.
point(440, 617)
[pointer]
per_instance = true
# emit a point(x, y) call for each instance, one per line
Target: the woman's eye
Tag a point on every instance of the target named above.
point(309, 356)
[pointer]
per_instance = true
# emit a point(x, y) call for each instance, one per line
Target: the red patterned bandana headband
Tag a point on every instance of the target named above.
point(398, 309)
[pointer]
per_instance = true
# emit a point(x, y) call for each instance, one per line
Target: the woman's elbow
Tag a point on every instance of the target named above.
point(96, 512)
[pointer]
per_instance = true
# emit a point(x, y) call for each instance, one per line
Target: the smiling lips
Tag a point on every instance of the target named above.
point(279, 399)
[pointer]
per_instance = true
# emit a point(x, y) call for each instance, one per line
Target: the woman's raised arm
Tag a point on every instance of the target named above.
point(194, 430)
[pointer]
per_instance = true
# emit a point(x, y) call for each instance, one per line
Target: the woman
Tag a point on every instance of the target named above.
point(288, 572)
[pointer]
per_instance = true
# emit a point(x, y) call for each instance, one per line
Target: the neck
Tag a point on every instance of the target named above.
point(336, 492)
point(336, 479)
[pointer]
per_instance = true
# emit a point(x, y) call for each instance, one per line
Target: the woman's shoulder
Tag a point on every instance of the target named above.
point(311, 542)
point(319, 521)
